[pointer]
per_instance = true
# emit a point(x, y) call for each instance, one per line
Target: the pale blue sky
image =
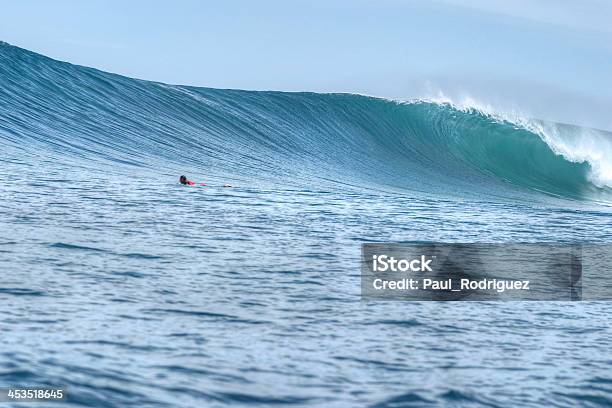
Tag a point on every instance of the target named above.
point(550, 59)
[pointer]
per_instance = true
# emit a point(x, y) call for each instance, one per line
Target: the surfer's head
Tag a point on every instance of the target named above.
point(183, 180)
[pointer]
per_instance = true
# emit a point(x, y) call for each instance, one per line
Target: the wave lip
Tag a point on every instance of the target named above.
point(582, 145)
point(574, 143)
point(553, 158)
point(88, 116)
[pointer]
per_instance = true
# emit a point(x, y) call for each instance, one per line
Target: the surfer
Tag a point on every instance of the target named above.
point(183, 180)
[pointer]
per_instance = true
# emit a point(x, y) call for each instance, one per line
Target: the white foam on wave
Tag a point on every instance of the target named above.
point(574, 143)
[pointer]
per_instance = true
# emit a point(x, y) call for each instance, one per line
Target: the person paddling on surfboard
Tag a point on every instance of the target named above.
point(183, 180)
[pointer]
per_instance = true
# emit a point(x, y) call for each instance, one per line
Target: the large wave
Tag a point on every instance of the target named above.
point(71, 112)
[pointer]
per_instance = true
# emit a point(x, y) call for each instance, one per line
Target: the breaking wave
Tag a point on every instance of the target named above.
point(67, 112)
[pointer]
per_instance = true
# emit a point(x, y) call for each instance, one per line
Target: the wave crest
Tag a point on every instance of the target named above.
point(287, 138)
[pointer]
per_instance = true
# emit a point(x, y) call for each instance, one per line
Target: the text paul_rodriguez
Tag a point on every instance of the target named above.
point(490, 272)
point(385, 263)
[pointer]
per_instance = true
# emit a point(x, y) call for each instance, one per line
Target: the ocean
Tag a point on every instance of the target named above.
point(128, 289)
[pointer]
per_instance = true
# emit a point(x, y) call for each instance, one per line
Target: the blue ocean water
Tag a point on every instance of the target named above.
point(132, 290)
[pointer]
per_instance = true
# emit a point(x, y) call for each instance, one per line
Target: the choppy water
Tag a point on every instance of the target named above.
point(131, 290)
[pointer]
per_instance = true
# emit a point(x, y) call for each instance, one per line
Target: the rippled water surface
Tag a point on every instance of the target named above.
point(141, 292)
